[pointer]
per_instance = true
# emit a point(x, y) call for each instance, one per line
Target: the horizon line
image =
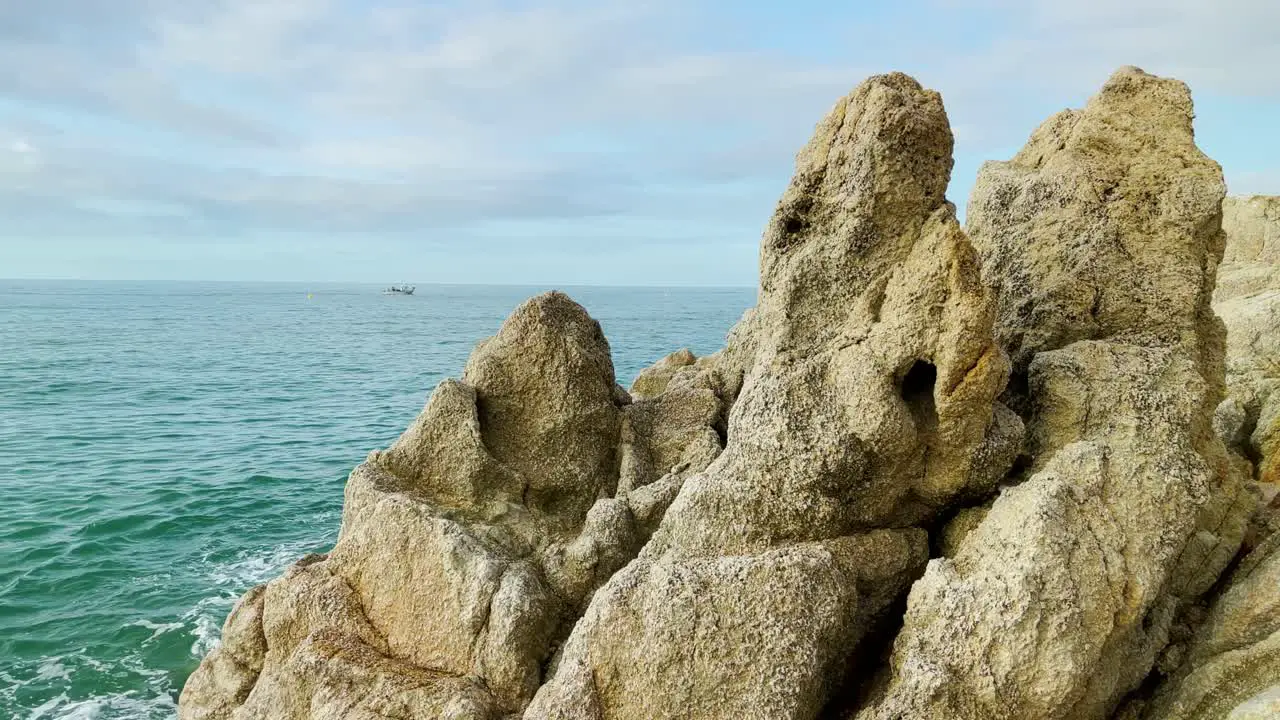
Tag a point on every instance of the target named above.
point(378, 284)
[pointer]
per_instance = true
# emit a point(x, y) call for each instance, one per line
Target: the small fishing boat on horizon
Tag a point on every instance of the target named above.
point(400, 290)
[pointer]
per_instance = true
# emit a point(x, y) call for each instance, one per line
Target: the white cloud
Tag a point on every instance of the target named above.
point(323, 115)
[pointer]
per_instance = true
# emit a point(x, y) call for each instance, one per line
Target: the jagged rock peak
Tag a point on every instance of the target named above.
point(467, 546)
point(868, 400)
point(1102, 236)
point(864, 186)
point(1106, 225)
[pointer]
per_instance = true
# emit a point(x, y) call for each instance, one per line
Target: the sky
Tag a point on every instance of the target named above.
point(562, 142)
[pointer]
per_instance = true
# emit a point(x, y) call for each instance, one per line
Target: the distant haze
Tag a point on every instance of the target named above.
point(575, 142)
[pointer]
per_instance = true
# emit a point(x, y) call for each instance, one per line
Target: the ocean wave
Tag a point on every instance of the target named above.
point(119, 705)
point(232, 578)
point(153, 701)
point(157, 629)
point(251, 568)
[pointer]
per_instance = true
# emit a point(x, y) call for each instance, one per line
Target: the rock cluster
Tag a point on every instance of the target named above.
point(1006, 471)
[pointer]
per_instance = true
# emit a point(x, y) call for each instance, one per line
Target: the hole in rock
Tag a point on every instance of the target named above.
point(866, 674)
point(917, 392)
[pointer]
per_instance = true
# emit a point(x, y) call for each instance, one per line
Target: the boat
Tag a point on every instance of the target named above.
point(400, 290)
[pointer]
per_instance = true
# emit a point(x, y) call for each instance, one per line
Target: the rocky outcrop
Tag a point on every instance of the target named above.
point(1232, 668)
point(1229, 665)
point(868, 404)
point(469, 545)
point(1102, 236)
point(1039, 404)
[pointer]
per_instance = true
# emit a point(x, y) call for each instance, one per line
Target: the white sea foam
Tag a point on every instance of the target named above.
point(232, 578)
point(250, 568)
point(229, 579)
point(118, 705)
point(154, 702)
point(157, 629)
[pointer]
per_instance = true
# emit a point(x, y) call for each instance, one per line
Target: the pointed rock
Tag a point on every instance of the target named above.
point(1102, 236)
point(870, 377)
point(466, 547)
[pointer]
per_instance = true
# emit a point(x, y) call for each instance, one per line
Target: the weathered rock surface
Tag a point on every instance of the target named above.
point(1051, 410)
point(468, 546)
point(1232, 669)
point(1248, 299)
point(867, 404)
point(1102, 236)
point(1231, 666)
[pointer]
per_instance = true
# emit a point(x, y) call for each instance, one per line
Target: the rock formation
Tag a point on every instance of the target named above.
point(1248, 299)
point(468, 546)
point(867, 404)
point(1038, 404)
point(1230, 665)
point(1102, 236)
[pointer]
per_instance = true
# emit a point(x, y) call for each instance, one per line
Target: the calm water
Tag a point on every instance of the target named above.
point(163, 447)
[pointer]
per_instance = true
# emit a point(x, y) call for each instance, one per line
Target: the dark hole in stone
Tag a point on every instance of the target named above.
point(918, 382)
point(792, 225)
point(917, 392)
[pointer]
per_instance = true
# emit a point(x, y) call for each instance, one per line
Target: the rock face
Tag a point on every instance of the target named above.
point(467, 546)
point(1102, 236)
point(867, 404)
point(1037, 404)
point(1248, 299)
point(1230, 667)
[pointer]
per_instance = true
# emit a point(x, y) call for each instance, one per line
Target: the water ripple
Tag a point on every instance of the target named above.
point(164, 447)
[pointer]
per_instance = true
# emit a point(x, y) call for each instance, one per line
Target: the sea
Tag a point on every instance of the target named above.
point(166, 446)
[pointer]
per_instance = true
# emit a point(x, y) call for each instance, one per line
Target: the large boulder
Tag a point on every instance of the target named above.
point(867, 404)
point(1102, 237)
point(468, 546)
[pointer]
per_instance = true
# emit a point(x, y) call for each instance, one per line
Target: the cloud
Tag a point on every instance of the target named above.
point(1225, 47)
point(654, 121)
point(399, 117)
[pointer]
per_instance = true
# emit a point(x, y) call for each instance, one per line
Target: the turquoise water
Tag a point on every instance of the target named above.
point(163, 447)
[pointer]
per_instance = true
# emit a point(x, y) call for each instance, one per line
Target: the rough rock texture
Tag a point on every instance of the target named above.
point(1230, 668)
point(748, 534)
point(1102, 236)
point(868, 402)
point(655, 378)
point(469, 545)
point(1248, 299)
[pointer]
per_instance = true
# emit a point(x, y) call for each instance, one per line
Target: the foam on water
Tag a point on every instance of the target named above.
point(202, 623)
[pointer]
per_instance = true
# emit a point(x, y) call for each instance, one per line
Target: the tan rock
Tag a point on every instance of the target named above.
point(228, 675)
point(960, 527)
point(332, 676)
point(1233, 668)
point(869, 387)
point(653, 379)
point(1102, 236)
point(729, 539)
point(1248, 299)
point(470, 544)
point(1251, 261)
point(1064, 227)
